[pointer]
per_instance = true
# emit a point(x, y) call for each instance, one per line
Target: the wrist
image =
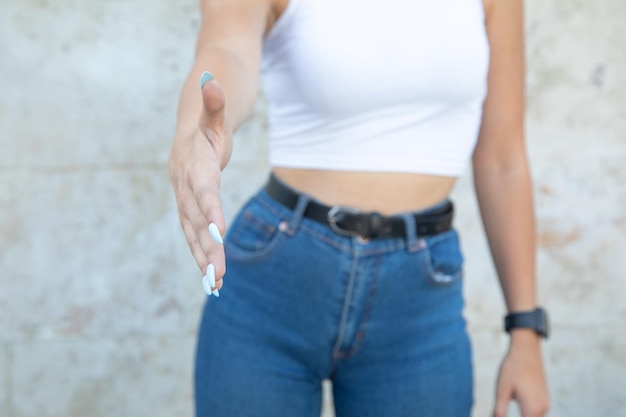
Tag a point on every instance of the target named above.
point(523, 336)
point(534, 320)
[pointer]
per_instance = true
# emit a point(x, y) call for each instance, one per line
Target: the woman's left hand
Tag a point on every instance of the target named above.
point(522, 377)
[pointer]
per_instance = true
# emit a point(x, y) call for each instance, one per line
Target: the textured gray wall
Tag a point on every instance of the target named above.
point(99, 297)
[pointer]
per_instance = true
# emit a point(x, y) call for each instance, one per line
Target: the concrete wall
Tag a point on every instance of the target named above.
point(99, 297)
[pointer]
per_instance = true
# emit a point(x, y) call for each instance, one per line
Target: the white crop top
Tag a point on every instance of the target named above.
point(367, 85)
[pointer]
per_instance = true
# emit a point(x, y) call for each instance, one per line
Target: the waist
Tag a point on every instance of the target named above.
point(383, 192)
point(350, 221)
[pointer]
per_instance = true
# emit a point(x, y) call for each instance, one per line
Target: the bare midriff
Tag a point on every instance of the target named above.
point(386, 193)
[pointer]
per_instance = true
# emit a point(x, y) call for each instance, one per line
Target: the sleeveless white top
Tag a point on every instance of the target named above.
point(370, 85)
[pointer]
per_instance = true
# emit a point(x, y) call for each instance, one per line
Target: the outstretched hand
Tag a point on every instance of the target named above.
point(195, 165)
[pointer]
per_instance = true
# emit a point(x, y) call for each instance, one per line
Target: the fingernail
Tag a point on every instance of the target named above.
point(210, 272)
point(216, 293)
point(206, 76)
point(206, 285)
point(215, 233)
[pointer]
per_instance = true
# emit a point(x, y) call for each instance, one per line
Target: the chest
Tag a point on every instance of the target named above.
point(344, 56)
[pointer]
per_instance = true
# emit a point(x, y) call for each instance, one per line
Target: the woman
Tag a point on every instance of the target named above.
point(345, 265)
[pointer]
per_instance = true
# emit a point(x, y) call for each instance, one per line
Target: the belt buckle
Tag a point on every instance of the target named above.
point(332, 219)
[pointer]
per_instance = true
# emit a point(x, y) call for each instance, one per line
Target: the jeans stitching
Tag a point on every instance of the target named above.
point(311, 232)
point(235, 253)
point(431, 273)
point(337, 352)
point(259, 199)
point(365, 317)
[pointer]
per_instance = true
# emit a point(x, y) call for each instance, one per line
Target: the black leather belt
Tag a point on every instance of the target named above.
point(353, 222)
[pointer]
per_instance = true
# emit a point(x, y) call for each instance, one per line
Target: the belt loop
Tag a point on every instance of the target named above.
point(412, 242)
point(298, 213)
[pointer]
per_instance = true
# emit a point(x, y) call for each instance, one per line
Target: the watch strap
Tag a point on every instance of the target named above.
point(535, 319)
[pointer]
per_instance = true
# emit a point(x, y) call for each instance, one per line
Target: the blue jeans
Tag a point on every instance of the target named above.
point(382, 319)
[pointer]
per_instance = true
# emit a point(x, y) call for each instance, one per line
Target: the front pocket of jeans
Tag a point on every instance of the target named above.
point(254, 235)
point(442, 259)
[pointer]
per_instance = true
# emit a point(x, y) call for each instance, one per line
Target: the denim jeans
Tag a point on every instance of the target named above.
point(382, 319)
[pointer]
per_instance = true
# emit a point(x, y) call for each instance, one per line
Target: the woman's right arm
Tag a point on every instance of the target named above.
point(229, 46)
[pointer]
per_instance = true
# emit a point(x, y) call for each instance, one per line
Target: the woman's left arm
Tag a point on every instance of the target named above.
point(504, 191)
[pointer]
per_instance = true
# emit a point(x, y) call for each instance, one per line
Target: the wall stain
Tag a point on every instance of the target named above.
point(76, 320)
point(168, 306)
point(545, 190)
point(597, 76)
point(553, 238)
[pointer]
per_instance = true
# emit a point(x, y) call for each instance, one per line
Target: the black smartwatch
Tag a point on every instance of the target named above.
point(536, 319)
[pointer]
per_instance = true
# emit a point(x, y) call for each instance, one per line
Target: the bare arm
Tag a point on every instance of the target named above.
point(504, 190)
point(501, 172)
point(229, 46)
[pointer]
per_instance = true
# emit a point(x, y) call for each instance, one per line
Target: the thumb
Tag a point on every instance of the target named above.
point(504, 393)
point(212, 117)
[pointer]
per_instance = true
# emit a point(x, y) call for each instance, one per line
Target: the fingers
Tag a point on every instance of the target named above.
point(215, 233)
point(534, 402)
point(199, 234)
point(194, 244)
point(195, 170)
point(208, 281)
point(504, 393)
point(204, 238)
point(536, 409)
point(211, 262)
point(501, 407)
point(522, 378)
point(207, 215)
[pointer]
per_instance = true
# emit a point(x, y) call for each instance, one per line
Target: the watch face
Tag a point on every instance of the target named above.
point(536, 319)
